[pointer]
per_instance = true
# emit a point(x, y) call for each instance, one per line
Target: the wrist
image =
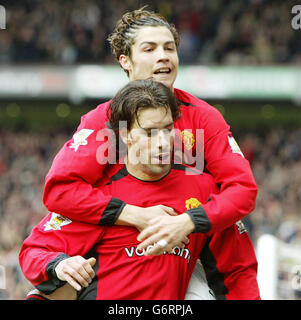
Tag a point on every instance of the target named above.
point(129, 216)
point(200, 220)
point(188, 223)
point(52, 268)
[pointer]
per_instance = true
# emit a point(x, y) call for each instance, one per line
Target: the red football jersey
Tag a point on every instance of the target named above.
point(79, 167)
point(122, 271)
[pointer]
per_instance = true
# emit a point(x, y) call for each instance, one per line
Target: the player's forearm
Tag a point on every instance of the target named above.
point(228, 207)
point(238, 191)
point(129, 216)
point(79, 201)
point(76, 168)
point(35, 264)
point(224, 209)
point(140, 217)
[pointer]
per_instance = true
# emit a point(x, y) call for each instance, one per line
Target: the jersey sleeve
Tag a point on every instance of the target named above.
point(224, 160)
point(55, 238)
point(77, 168)
point(230, 264)
point(231, 171)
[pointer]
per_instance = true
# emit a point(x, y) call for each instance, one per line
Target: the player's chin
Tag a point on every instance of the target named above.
point(167, 81)
point(160, 168)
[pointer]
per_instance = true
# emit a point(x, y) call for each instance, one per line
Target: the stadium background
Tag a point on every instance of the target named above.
point(243, 57)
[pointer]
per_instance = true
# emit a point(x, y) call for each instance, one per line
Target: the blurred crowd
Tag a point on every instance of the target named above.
point(250, 32)
point(26, 157)
point(24, 161)
point(276, 164)
point(213, 32)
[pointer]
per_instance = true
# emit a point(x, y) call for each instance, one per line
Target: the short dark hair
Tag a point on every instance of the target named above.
point(137, 95)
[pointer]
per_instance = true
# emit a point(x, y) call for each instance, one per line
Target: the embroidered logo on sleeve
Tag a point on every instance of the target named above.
point(56, 222)
point(80, 138)
point(234, 146)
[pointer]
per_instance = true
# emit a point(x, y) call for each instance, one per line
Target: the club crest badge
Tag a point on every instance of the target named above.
point(188, 139)
point(80, 138)
point(56, 222)
point(192, 203)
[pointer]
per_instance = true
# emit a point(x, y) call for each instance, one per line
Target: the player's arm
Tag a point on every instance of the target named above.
point(37, 266)
point(45, 256)
point(231, 171)
point(78, 166)
point(76, 271)
point(230, 264)
point(69, 184)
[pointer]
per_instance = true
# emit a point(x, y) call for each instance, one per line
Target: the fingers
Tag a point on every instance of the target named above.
point(173, 230)
point(169, 248)
point(72, 282)
point(154, 227)
point(79, 274)
point(185, 240)
point(92, 261)
point(168, 210)
point(151, 246)
point(77, 271)
point(146, 233)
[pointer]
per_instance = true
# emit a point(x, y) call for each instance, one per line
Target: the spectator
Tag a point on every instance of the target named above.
point(215, 32)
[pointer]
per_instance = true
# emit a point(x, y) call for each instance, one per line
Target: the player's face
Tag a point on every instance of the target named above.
point(153, 54)
point(150, 143)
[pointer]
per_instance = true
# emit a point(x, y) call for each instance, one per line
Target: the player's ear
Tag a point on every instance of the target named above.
point(125, 62)
point(124, 135)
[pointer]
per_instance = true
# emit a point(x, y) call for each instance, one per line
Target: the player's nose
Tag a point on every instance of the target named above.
point(162, 54)
point(164, 139)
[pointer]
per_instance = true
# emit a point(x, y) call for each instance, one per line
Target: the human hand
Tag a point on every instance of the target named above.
point(173, 230)
point(150, 213)
point(140, 217)
point(77, 271)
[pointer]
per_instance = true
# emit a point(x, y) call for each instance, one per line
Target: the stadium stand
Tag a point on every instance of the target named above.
point(216, 33)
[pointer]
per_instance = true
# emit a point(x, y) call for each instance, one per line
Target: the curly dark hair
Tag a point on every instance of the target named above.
point(122, 38)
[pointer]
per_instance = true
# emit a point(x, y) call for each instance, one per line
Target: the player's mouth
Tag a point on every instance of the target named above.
point(162, 158)
point(162, 72)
